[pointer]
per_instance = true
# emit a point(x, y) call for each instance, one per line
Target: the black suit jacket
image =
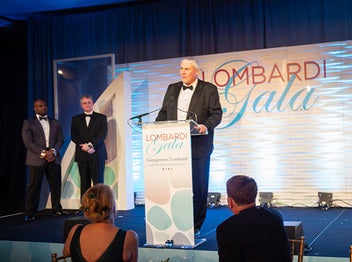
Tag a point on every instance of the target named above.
point(254, 235)
point(204, 107)
point(95, 133)
point(34, 140)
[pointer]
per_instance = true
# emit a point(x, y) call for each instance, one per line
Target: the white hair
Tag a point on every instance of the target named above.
point(192, 61)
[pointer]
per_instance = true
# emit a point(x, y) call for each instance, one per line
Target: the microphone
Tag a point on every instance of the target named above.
point(189, 114)
point(139, 116)
point(192, 116)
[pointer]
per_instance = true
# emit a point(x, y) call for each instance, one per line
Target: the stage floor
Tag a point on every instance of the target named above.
point(328, 233)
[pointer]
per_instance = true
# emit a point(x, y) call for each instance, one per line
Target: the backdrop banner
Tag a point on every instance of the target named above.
point(287, 118)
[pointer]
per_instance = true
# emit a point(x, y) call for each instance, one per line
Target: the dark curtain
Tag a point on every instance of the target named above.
point(175, 28)
point(13, 105)
point(148, 31)
point(302, 22)
point(152, 30)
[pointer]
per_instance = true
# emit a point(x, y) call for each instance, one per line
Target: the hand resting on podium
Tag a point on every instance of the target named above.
point(202, 129)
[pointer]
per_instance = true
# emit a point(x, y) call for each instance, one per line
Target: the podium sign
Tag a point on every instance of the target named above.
point(168, 184)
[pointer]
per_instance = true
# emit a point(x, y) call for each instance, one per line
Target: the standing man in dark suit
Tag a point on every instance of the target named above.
point(252, 234)
point(43, 138)
point(88, 132)
point(192, 98)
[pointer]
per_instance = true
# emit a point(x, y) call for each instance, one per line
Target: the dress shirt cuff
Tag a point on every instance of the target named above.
point(54, 151)
point(42, 154)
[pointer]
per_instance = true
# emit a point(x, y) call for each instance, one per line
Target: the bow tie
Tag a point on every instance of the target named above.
point(88, 115)
point(43, 118)
point(187, 87)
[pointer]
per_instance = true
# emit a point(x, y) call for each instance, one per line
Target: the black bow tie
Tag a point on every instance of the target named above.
point(88, 115)
point(187, 87)
point(43, 118)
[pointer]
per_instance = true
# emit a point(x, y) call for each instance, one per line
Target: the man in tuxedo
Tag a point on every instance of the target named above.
point(88, 132)
point(43, 138)
point(192, 98)
point(255, 234)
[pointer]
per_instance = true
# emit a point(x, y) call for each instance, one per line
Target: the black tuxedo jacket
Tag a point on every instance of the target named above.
point(204, 108)
point(34, 140)
point(255, 234)
point(95, 133)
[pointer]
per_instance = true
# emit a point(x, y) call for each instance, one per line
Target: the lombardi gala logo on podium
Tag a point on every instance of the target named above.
point(158, 144)
point(257, 87)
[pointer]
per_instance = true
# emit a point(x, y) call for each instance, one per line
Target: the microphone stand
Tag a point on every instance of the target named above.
point(139, 117)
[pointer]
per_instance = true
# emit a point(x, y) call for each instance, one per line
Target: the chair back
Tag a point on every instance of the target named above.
point(55, 258)
point(297, 245)
point(350, 253)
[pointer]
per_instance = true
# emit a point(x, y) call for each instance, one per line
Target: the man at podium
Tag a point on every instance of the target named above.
point(192, 98)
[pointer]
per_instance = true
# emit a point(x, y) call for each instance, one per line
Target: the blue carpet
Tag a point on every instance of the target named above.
point(328, 233)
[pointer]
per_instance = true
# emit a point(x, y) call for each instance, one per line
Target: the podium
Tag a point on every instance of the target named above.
point(168, 184)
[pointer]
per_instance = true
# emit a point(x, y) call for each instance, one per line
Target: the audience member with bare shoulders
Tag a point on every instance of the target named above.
point(101, 240)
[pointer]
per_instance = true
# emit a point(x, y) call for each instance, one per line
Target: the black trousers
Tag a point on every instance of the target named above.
point(90, 171)
point(200, 183)
point(52, 172)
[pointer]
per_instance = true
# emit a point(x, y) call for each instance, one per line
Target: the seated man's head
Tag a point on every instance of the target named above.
point(241, 192)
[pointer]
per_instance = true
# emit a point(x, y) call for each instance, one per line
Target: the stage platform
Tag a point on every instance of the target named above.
point(328, 234)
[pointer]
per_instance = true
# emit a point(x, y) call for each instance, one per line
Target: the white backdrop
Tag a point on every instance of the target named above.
point(287, 118)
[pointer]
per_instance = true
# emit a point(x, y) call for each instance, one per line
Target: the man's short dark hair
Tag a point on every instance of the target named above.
point(242, 189)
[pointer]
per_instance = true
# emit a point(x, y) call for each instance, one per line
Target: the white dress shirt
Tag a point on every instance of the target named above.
point(184, 99)
point(46, 128)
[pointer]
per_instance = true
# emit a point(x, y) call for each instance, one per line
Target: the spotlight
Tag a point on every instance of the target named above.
point(325, 200)
point(214, 199)
point(265, 199)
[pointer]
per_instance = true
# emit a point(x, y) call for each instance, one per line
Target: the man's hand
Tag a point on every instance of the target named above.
point(91, 151)
point(202, 129)
point(87, 147)
point(49, 156)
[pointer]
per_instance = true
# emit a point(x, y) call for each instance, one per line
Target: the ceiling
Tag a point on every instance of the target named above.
point(25, 9)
